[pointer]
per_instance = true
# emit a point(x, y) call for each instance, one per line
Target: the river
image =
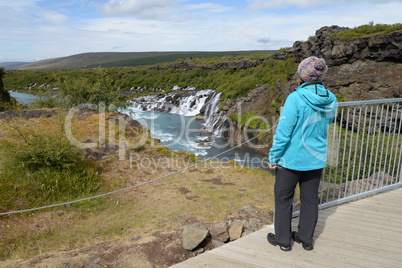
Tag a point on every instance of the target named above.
point(22, 98)
point(181, 133)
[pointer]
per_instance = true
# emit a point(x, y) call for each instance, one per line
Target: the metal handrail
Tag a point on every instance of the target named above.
point(364, 152)
point(365, 102)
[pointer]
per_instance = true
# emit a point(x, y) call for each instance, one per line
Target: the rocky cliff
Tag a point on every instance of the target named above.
point(338, 51)
point(359, 69)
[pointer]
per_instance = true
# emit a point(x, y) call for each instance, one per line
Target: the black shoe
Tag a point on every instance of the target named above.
point(272, 241)
point(306, 246)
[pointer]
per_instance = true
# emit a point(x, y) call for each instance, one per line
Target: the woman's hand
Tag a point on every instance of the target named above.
point(272, 167)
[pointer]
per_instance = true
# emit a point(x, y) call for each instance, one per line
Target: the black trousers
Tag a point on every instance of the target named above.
point(285, 183)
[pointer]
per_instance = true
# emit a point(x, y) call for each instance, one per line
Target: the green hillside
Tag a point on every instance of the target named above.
point(12, 64)
point(125, 59)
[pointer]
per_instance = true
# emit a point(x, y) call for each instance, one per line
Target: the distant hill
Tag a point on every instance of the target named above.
point(12, 65)
point(126, 59)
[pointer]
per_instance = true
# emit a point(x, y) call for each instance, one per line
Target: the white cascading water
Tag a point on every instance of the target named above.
point(190, 103)
point(213, 118)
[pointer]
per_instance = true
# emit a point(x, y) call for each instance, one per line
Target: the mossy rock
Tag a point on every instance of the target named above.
point(6, 102)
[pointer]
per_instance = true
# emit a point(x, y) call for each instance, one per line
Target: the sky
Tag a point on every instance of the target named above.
point(32, 30)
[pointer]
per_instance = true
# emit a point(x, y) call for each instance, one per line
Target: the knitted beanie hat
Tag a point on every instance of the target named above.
point(312, 68)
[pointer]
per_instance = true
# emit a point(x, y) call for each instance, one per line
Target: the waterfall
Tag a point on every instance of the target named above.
point(213, 117)
point(188, 103)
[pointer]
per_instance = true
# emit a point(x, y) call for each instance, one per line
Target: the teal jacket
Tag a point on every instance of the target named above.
point(300, 142)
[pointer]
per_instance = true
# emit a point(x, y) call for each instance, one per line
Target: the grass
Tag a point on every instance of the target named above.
point(156, 207)
point(208, 193)
point(368, 30)
point(40, 165)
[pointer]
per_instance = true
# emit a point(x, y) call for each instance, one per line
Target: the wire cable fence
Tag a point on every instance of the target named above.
point(141, 184)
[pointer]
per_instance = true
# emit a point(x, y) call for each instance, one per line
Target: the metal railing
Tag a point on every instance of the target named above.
point(364, 151)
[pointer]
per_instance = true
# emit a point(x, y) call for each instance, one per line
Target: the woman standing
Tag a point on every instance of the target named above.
point(299, 154)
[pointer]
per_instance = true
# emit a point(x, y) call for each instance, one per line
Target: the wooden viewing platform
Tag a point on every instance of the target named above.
point(363, 233)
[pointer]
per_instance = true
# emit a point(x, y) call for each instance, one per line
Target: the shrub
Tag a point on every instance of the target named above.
point(45, 100)
point(249, 120)
point(92, 91)
point(41, 166)
point(6, 101)
point(368, 30)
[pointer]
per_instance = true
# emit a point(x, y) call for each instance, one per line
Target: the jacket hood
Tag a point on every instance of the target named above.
point(318, 98)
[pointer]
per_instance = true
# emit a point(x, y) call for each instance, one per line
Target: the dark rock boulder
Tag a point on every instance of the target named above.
point(4, 95)
point(200, 236)
point(219, 231)
point(194, 235)
point(236, 230)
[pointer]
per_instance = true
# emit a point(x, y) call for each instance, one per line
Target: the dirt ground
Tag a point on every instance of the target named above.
point(157, 250)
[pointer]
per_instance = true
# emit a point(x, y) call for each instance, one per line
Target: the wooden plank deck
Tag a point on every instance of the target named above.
point(364, 233)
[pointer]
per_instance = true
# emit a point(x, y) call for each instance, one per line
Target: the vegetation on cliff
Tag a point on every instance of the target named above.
point(6, 102)
point(368, 30)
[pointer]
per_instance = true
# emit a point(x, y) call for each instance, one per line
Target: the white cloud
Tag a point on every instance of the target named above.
point(257, 4)
point(50, 16)
point(210, 7)
point(149, 9)
point(18, 4)
point(283, 3)
point(10, 18)
point(162, 10)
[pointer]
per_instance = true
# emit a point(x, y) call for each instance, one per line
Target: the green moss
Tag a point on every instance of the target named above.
point(339, 97)
point(249, 120)
point(368, 30)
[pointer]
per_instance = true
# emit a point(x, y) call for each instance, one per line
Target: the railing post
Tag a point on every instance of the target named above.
point(400, 164)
